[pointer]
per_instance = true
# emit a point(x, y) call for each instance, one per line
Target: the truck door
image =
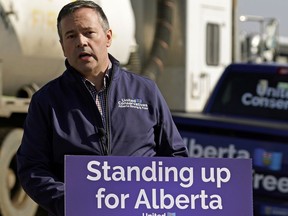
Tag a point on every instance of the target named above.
point(214, 48)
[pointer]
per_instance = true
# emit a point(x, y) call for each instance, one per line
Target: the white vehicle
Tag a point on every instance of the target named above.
point(203, 49)
point(30, 56)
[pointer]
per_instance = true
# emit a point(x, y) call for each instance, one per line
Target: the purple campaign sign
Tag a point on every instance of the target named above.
point(157, 186)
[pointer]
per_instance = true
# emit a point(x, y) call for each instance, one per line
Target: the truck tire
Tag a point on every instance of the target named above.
point(13, 200)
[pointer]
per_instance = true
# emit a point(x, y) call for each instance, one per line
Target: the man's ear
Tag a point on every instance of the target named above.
point(109, 37)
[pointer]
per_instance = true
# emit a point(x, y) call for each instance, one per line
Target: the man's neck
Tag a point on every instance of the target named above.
point(98, 78)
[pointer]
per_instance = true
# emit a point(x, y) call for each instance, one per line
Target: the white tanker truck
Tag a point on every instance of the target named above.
point(31, 55)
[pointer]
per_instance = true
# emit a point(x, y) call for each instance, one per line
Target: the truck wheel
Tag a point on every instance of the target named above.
point(13, 199)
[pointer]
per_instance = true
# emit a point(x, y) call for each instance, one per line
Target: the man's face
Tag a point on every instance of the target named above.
point(84, 41)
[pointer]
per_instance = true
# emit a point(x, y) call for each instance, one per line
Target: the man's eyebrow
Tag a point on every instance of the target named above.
point(69, 32)
point(83, 29)
point(88, 28)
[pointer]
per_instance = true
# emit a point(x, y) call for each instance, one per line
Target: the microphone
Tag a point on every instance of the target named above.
point(102, 138)
point(101, 133)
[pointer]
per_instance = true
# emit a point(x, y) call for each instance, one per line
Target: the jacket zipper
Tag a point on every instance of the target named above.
point(102, 141)
point(107, 91)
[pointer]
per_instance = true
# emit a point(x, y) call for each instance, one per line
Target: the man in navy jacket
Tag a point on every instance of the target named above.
point(94, 108)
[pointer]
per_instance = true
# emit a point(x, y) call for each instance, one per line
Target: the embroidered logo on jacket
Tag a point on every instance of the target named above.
point(132, 103)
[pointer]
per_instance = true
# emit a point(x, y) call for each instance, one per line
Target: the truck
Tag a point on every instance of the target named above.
point(245, 117)
point(183, 45)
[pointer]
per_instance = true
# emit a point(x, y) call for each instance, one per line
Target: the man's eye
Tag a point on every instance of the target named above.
point(70, 36)
point(90, 33)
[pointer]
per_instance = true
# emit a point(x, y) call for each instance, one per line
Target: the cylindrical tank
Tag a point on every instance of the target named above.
point(30, 56)
point(29, 45)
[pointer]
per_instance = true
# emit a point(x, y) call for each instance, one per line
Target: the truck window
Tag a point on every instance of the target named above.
point(257, 95)
point(212, 44)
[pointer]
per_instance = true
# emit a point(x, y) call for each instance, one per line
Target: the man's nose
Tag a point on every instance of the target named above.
point(82, 41)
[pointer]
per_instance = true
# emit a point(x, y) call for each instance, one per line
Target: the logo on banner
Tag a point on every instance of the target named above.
point(270, 160)
point(155, 214)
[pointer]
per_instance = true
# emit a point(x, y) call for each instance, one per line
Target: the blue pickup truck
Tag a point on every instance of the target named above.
point(246, 116)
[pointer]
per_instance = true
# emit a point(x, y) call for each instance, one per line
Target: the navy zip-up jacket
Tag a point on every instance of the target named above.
point(63, 120)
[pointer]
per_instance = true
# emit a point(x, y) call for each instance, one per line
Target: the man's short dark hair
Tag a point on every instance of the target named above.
point(70, 8)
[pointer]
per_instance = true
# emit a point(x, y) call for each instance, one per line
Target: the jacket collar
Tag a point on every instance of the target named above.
point(113, 74)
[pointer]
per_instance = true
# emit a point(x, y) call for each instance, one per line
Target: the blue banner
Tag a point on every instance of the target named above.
point(157, 186)
point(270, 161)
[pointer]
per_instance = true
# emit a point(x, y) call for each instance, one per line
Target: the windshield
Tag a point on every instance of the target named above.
point(257, 95)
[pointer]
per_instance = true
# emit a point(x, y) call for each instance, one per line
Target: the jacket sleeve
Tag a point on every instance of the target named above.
point(34, 161)
point(168, 140)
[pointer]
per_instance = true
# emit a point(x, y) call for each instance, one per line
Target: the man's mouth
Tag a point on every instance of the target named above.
point(85, 56)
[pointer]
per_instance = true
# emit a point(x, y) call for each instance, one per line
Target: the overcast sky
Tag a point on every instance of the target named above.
point(266, 8)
